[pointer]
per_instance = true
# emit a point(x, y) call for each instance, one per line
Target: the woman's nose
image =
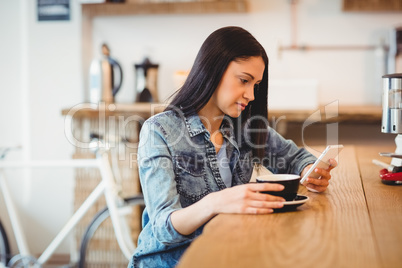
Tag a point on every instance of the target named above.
point(249, 93)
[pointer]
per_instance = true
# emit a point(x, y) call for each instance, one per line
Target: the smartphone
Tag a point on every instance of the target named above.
point(323, 161)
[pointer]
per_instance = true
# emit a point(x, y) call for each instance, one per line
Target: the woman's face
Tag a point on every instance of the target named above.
point(236, 88)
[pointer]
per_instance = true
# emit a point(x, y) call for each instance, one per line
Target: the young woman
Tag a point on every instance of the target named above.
point(196, 158)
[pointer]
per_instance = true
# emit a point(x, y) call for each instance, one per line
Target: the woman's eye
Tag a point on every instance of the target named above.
point(244, 81)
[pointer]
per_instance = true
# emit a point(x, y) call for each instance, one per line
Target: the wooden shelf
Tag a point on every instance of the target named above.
point(86, 110)
point(135, 8)
point(372, 6)
point(346, 114)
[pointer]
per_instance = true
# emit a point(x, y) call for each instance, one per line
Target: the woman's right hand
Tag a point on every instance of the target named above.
point(241, 199)
point(247, 199)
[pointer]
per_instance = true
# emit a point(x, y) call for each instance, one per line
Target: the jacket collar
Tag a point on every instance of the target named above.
point(196, 127)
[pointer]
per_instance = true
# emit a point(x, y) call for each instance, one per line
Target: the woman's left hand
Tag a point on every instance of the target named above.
point(321, 184)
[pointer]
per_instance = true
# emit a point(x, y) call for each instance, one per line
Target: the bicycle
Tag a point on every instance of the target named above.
point(116, 208)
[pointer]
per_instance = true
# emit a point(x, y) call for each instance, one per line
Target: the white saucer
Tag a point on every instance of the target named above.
point(300, 199)
point(291, 205)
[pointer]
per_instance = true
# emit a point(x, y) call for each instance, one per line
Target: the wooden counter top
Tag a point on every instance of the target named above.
point(355, 223)
point(348, 114)
point(384, 204)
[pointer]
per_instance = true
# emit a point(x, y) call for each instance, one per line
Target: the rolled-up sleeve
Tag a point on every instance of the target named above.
point(158, 183)
point(285, 156)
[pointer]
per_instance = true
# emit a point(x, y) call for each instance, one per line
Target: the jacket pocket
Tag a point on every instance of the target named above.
point(191, 177)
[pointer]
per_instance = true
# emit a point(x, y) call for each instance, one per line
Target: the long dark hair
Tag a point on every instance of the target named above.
point(218, 50)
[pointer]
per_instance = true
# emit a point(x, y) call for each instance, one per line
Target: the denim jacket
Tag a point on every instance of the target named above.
point(178, 166)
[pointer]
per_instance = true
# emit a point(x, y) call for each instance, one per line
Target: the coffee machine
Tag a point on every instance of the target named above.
point(392, 123)
point(146, 76)
point(394, 61)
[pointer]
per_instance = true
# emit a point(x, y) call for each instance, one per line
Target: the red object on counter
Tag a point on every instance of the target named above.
point(389, 177)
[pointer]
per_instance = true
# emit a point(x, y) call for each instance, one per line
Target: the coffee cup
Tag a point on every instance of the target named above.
point(290, 181)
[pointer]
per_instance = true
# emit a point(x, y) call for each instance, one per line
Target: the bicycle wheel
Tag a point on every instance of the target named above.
point(4, 247)
point(93, 244)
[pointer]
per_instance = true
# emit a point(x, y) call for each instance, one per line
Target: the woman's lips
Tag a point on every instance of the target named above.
point(242, 106)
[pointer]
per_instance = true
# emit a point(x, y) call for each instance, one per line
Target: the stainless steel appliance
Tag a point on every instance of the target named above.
point(392, 123)
point(105, 78)
point(395, 51)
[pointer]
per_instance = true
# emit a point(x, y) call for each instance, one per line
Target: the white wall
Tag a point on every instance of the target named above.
point(173, 41)
point(42, 61)
point(41, 75)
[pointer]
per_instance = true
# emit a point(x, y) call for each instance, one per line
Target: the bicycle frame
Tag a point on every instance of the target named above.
point(107, 186)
